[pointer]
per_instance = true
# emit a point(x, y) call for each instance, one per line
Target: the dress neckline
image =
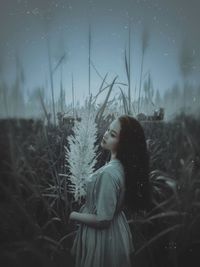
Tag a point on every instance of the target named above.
point(113, 160)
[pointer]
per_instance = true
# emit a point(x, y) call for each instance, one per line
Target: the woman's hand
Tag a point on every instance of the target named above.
point(72, 215)
point(89, 219)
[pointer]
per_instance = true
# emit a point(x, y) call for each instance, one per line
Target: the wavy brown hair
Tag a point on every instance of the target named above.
point(133, 154)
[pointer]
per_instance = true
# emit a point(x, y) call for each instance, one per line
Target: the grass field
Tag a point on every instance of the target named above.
point(35, 202)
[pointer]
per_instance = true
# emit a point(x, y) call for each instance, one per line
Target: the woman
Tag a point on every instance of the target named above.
point(104, 238)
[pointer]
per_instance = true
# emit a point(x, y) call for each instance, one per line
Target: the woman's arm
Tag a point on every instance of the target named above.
point(89, 219)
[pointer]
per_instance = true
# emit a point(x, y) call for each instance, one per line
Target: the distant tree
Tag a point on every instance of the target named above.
point(4, 109)
point(197, 100)
point(145, 43)
point(16, 97)
point(176, 97)
point(158, 100)
point(149, 93)
point(186, 60)
point(167, 100)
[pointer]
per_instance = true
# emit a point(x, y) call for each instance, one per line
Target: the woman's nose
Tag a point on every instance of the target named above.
point(105, 135)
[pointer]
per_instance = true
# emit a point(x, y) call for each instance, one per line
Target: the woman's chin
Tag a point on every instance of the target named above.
point(103, 144)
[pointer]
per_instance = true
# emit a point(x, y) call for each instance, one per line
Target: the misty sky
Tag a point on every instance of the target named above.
point(26, 25)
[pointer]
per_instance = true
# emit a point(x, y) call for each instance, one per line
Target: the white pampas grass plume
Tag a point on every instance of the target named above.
point(81, 155)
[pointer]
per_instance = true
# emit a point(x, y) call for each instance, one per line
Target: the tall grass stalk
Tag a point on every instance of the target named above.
point(62, 93)
point(89, 58)
point(43, 106)
point(99, 114)
point(124, 99)
point(51, 82)
point(101, 88)
point(129, 64)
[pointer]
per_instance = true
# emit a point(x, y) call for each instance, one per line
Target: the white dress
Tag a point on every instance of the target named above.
point(107, 247)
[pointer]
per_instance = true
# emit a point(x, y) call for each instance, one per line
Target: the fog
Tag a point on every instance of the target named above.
point(54, 46)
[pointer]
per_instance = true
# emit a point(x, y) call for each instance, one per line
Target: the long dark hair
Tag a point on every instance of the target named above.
point(133, 154)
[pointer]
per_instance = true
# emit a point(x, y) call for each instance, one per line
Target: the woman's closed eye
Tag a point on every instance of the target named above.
point(111, 133)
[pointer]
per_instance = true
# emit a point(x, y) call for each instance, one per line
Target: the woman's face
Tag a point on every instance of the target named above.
point(111, 137)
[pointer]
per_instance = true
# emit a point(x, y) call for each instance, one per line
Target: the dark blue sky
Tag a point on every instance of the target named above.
point(26, 24)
